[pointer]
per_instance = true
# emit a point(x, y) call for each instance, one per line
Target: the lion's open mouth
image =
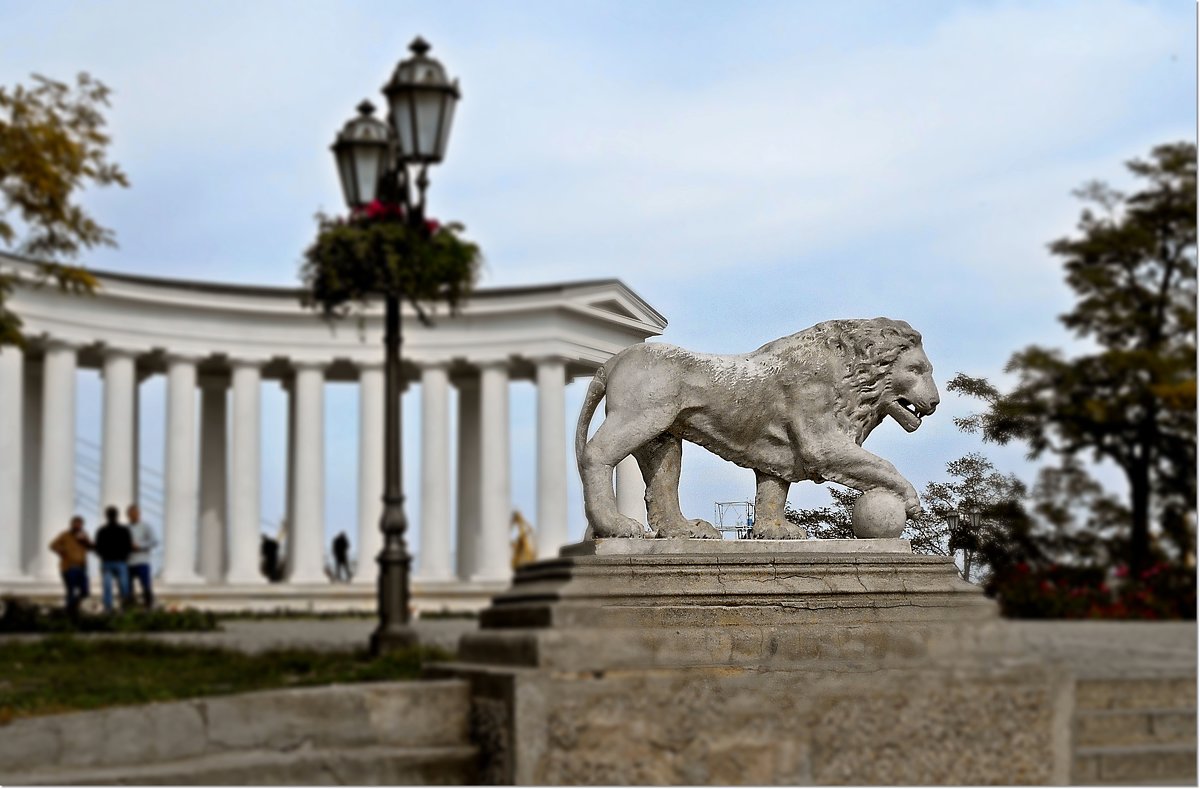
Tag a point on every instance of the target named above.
point(904, 412)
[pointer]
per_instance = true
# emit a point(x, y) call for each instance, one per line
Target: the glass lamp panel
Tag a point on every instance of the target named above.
point(402, 120)
point(368, 166)
point(347, 175)
point(428, 106)
point(449, 102)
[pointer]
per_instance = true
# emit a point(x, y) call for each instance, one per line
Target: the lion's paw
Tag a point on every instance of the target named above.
point(778, 531)
point(620, 527)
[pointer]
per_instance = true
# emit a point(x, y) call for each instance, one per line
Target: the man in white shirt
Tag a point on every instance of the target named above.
point(144, 540)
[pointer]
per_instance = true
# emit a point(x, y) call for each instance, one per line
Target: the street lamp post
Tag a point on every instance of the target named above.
point(374, 160)
point(953, 518)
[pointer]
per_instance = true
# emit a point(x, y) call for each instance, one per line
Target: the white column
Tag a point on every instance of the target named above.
point(12, 445)
point(32, 547)
point(494, 550)
point(370, 471)
point(631, 490)
point(118, 431)
point(434, 560)
point(307, 533)
point(245, 474)
point(551, 457)
point(180, 478)
point(214, 470)
point(57, 499)
point(468, 495)
point(289, 470)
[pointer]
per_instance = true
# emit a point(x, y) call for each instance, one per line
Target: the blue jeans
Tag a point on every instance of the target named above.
point(76, 581)
point(141, 574)
point(109, 571)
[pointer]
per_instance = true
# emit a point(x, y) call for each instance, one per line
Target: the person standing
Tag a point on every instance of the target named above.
point(113, 545)
point(144, 541)
point(72, 547)
point(341, 556)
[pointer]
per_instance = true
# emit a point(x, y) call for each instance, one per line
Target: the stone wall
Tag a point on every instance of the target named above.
point(832, 724)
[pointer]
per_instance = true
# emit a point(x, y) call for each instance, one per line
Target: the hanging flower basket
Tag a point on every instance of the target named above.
point(377, 253)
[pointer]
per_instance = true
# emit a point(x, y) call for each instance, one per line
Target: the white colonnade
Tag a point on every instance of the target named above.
point(218, 346)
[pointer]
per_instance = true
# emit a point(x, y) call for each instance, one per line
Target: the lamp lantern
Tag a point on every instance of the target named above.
point(422, 99)
point(361, 151)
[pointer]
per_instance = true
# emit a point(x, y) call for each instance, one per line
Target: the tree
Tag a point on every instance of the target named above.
point(1132, 400)
point(975, 484)
point(1004, 531)
point(1067, 520)
point(52, 144)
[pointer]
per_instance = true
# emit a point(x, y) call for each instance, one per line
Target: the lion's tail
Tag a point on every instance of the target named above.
point(595, 393)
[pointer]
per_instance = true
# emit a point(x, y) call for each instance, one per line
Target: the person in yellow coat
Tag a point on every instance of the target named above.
point(524, 548)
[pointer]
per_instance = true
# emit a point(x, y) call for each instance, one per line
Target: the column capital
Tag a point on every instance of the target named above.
point(548, 358)
point(110, 351)
point(309, 364)
point(216, 381)
point(491, 363)
point(183, 357)
point(362, 365)
point(247, 360)
point(62, 344)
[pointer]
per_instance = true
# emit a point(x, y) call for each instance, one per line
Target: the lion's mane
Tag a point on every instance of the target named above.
point(866, 349)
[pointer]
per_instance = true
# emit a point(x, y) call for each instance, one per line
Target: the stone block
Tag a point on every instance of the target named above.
point(1112, 727)
point(287, 719)
point(830, 724)
point(428, 714)
point(1137, 693)
point(1173, 726)
point(27, 745)
point(698, 547)
point(1146, 763)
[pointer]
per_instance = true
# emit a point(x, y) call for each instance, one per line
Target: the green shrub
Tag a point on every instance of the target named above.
point(22, 616)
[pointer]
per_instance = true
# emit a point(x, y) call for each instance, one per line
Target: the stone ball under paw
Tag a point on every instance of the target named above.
point(878, 514)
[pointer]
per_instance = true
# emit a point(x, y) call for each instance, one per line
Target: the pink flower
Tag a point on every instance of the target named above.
point(432, 225)
point(1122, 571)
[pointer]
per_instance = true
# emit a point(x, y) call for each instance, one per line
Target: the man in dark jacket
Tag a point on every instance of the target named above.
point(341, 557)
point(113, 546)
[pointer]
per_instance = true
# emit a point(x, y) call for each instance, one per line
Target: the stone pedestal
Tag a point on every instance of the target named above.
point(728, 662)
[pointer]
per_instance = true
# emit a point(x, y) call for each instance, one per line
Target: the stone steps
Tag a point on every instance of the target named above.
point(369, 733)
point(370, 766)
point(1135, 730)
point(1135, 764)
point(1120, 728)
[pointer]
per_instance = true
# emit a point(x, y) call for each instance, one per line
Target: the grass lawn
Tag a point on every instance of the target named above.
point(66, 674)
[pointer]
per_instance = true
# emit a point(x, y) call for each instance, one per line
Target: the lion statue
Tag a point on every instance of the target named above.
point(797, 408)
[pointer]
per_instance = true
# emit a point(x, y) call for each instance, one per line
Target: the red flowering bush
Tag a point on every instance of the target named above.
point(377, 252)
point(1164, 591)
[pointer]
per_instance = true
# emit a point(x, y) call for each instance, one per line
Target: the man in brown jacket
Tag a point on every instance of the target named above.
point(72, 547)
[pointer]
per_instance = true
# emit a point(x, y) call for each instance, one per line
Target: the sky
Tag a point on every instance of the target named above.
point(748, 168)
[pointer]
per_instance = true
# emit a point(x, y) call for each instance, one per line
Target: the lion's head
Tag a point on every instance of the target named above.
point(886, 373)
